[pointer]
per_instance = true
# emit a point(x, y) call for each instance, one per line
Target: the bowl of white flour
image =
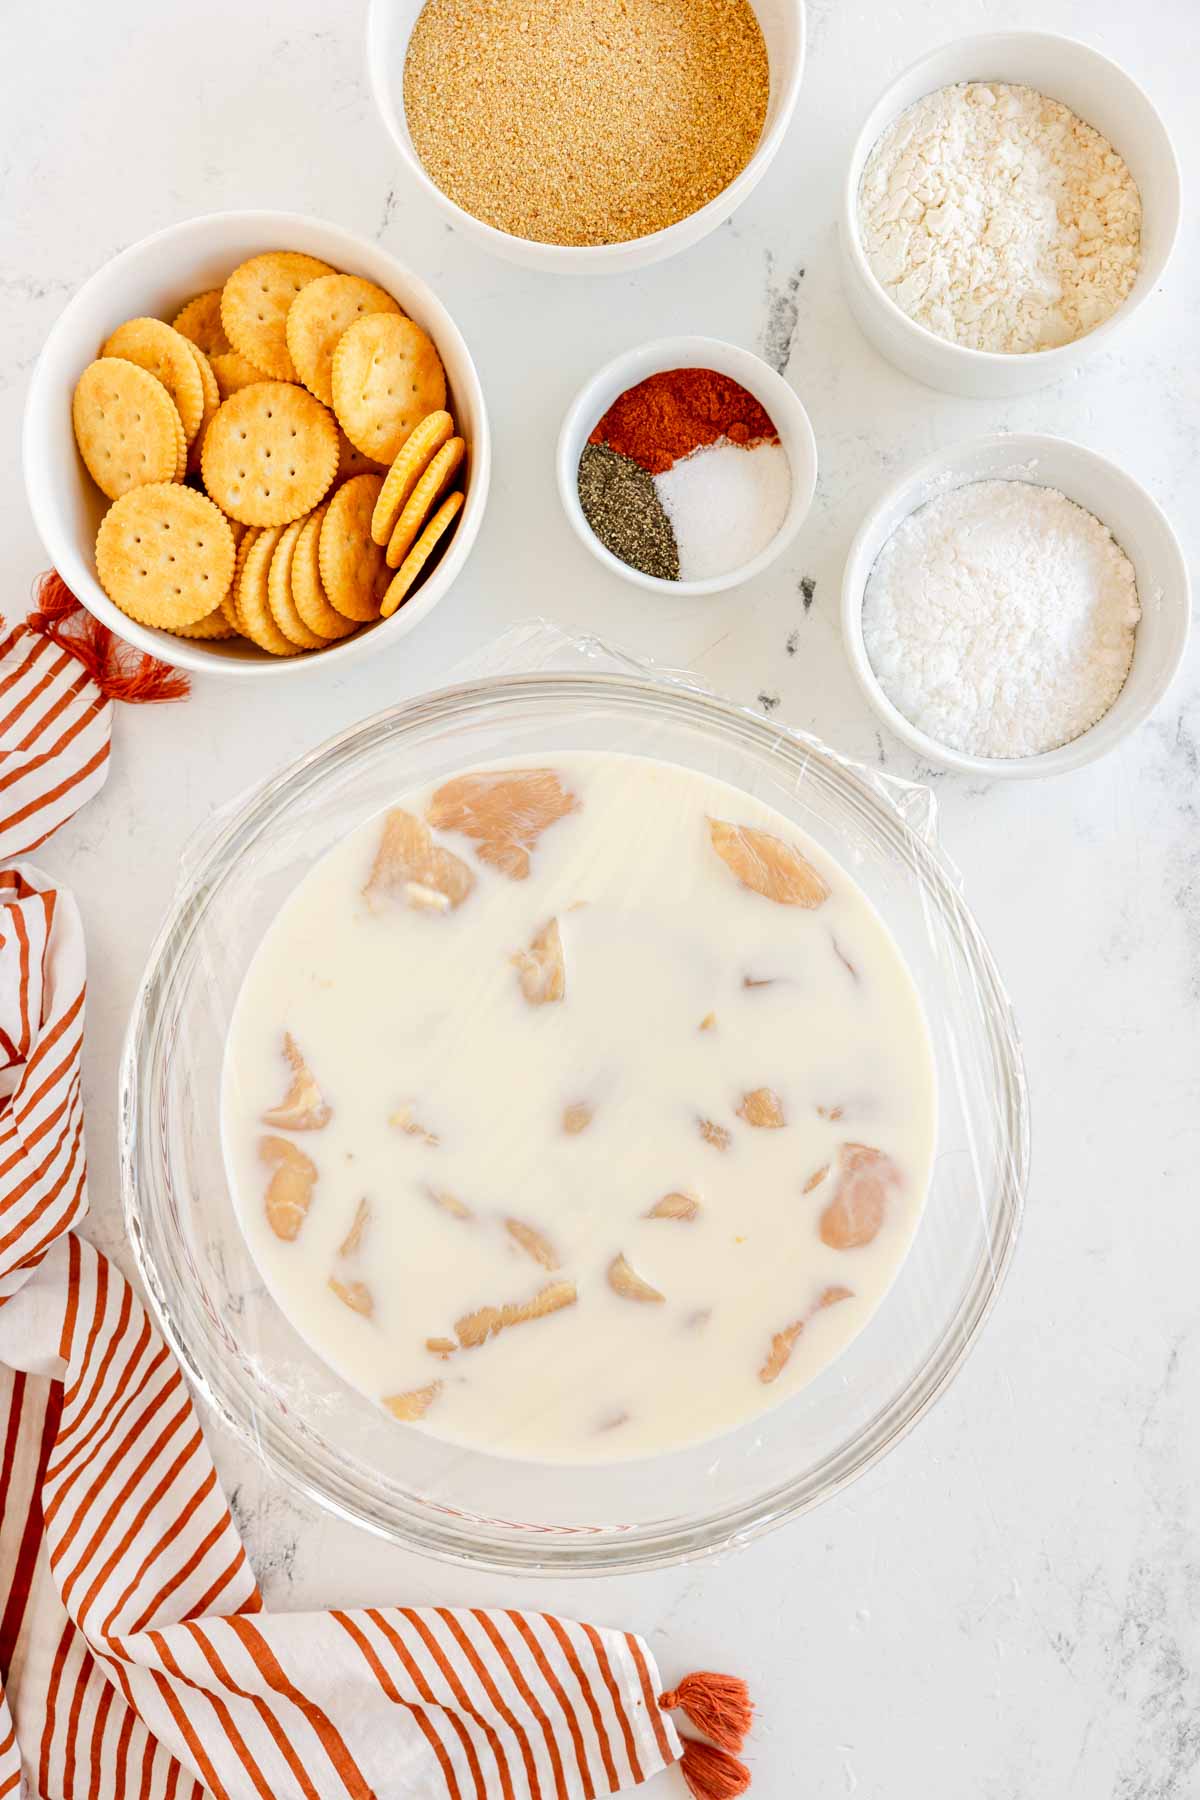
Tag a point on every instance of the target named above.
point(1015, 606)
point(1010, 201)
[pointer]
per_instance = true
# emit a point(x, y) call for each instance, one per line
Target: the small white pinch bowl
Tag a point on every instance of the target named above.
point(157, 276)
point(758, 378)
point(1102, 95)
point(390, 25)
point(1137, 523)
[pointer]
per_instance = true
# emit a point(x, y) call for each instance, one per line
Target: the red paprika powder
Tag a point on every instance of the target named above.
point(670, 415)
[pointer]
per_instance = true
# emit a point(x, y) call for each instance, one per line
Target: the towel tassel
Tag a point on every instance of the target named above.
point(717, 1705)
point(119, 671)
point(712, 1774)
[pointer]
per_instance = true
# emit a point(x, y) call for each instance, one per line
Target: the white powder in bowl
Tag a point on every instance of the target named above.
point(725, 504)
point(997, 218)
point(999, 619)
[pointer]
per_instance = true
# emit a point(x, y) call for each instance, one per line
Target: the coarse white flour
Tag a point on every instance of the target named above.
point(997, 218)
point(999, 618)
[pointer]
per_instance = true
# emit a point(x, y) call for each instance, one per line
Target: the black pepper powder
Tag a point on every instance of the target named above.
point(620, 502)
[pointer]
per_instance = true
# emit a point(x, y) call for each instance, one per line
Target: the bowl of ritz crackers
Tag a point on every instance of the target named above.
point(255, 444)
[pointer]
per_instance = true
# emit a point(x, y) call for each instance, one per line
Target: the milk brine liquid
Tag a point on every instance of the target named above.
point(578, 1109)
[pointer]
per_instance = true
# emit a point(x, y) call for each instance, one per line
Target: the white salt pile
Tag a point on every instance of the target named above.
point(725, 504)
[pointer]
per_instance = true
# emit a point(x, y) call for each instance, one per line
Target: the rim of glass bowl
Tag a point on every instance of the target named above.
point(179, 1309)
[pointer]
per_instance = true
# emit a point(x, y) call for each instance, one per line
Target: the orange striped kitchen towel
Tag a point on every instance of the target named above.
point(60, 671)
point(135, 1655)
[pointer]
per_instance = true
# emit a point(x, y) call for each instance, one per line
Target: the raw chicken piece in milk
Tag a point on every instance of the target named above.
point(578, 1111)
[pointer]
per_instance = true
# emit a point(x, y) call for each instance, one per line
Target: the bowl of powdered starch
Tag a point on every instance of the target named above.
point(1016, 606)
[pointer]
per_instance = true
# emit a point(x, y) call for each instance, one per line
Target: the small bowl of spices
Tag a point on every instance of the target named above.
point(580, 136)
point(1016, 606)
point(687, 466)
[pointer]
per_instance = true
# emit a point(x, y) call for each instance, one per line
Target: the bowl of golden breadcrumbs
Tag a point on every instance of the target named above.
point(580, 135)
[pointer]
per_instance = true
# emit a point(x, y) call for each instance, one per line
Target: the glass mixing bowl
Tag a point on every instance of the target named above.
point(259, 1376)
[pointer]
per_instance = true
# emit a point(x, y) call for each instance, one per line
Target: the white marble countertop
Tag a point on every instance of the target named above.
point(1008, 1607)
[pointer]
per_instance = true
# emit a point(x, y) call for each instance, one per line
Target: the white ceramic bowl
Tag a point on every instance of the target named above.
point(156, 276)
point(1101, 94)
point(1136, 522)
point(389, 27)
point(790, 419)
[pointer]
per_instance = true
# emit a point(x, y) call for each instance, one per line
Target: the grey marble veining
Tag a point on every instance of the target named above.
point(1008, 1607)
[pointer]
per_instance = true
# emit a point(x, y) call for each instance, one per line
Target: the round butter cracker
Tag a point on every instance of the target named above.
point(270, 453)
point(319, 315)
point(279, 592)
point(253, 605)
point(163, 353)
point(387, 375)
point(419, 555)
point(212, 400)
point(255, 302)
point(181, 452)
point(213, 627)
point(353, 572)
point(234, 372)
point(308, 595)
point(165, 555)
point(229, 605)
point(437, 477)
point(426, 440)
point(126, 426)
point(353, 462)
point(200, 322)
